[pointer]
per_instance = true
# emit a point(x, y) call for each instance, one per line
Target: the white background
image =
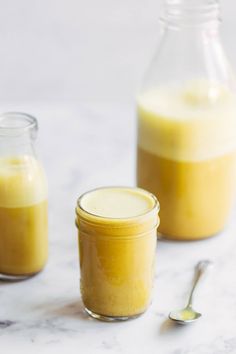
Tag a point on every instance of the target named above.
point(63, 50)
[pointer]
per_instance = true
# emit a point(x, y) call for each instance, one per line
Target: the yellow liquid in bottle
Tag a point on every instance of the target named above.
point(187, 156)
point(23, 216)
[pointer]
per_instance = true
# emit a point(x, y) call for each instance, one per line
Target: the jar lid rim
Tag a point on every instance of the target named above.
point(155, 207)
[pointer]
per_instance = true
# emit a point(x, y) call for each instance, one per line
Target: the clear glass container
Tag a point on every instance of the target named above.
point(23, 199)
point(117, 246)
point(187, 123)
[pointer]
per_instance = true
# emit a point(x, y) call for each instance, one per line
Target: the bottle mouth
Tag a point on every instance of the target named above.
point(17, 123)
point(191, 12)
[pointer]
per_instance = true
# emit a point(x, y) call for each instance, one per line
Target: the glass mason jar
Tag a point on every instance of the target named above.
point(117, 246)
point(187, 124)
point(23, 199)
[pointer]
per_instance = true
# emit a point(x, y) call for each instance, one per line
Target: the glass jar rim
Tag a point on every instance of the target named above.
point(155, 207)
point(16, 123)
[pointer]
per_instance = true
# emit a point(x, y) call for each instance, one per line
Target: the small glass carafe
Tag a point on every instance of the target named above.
point(23, 199)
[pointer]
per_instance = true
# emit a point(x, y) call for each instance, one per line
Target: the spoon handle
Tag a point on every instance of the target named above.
point(199, 271)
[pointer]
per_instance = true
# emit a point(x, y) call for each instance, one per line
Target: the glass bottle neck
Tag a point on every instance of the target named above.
point(16, 146)
point(191, 14)
point(17, 134)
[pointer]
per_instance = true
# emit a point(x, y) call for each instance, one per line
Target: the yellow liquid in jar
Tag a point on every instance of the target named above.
point(23, 216)
point(116, 258)
point(187, 157)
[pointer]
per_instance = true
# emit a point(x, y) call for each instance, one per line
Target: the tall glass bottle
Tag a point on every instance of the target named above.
point(23, 199)
point(187, 123)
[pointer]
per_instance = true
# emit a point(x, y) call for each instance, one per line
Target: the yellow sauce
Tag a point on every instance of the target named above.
point(117, 241)
point(23, 216)
point(187, 157)
point(187, 315)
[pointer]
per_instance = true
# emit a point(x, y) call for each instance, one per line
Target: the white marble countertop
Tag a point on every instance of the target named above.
point(83, 146)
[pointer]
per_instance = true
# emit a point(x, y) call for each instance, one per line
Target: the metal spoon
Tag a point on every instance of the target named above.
point(188, 314)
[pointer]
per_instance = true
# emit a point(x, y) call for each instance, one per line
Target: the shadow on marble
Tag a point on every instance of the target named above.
point(169, 326)
point(73, 309)
point(8, 279)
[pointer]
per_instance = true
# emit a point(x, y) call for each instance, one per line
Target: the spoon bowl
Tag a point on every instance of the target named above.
point(184, 316)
